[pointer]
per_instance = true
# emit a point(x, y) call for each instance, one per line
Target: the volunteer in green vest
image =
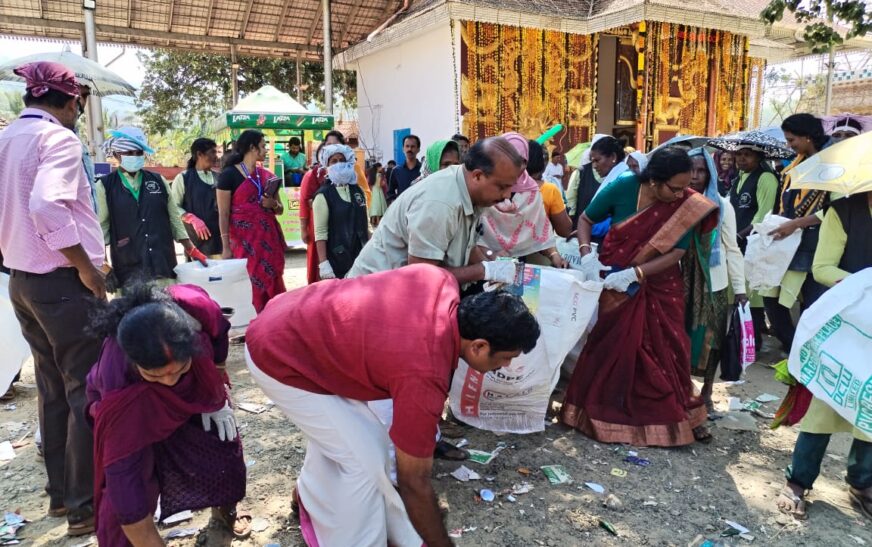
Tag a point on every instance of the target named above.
point(193, 192)
point(752, 195)
point(140, 222)
point(844, 247)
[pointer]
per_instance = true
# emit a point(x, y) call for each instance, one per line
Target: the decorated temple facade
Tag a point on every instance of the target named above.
point(641, 71)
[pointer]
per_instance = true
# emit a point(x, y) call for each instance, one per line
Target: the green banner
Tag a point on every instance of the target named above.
point(279, 121)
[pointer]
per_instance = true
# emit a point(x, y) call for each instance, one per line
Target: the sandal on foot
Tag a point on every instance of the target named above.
point(57, 512)
point(702, 435)
point(861, 499)
point(82, 528)
point(238, 523)
point(9, 395)
point(447, 451)
point(791, 504)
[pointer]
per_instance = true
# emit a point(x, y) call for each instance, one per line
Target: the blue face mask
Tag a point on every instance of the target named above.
point(342, 174)
point(132, 164)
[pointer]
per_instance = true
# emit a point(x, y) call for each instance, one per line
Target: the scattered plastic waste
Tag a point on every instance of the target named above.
point(254, 408)
point(734, 403)
point(556, 474)
point(178, 517)
point(461, 443)
point(511, 498)
point(465, 474)
point(767, 398)
point(598, 488)
point(521, 488)
point(259, 524)
point(6, 451)
point(182, 533)
point(641, 462)
point(607, 526)
point(618, 472)
point(487, 495)
point(524, 471)
point(613, 502)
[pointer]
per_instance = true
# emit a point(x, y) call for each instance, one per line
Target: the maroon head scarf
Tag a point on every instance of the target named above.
point(42, 76)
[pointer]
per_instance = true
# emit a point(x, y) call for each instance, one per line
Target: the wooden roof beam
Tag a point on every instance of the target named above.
point(246, 18)
point(129, 13)
point(281, 18)
point(106, 33)
point(172, 14)
point(314, 26)
point(209, 16)
point(352, 15)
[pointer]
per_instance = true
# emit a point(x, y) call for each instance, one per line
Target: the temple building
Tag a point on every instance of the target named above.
point(642, 70)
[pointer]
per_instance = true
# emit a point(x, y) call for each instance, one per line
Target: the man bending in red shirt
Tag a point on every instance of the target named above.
point(317, 353)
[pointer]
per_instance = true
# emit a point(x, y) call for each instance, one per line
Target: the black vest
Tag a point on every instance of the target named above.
point(804, 257)
point(140, 235)
point(745, 202)
point(587, 187)
point(347, 227)
point(200, 200)
point(857, 221)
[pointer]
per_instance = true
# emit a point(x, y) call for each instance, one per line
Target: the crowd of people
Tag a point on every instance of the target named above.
point(404, 268)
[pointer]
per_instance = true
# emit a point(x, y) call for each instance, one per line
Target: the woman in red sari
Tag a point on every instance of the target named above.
point(248, 203)
point(632, 382)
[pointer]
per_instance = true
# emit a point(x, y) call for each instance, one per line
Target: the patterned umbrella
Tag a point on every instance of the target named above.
point(100, 79)
point(769, 146)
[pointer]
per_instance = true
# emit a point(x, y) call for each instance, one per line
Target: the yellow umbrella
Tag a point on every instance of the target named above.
point(845, 168)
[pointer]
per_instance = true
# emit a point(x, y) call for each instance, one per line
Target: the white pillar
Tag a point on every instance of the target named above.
point(234, 76)
point(328, 59)
point(95, 105)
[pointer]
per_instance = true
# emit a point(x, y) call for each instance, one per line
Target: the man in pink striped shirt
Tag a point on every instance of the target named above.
point(51, 241)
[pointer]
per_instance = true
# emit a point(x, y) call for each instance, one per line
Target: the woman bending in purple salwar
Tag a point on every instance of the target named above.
point(163, 426)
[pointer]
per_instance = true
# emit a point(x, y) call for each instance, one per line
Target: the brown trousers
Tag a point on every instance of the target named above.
point(53, 310)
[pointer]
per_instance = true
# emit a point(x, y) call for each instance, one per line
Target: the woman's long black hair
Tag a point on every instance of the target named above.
point(200, 146)
point(148, 325)
point(249, 139)
point(665, 164)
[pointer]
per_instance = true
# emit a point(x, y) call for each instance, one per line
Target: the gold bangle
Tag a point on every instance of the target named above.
point(554, 253)
point(582, 245)
point(640, 275)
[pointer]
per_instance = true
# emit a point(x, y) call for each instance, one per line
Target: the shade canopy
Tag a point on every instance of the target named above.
point(100, 79)
point(270, 108)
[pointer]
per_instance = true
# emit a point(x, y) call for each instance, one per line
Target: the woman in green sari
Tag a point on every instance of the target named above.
point(713, 263)
point(439, 155)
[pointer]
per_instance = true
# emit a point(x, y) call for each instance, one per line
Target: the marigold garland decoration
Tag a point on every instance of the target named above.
point(526, 80)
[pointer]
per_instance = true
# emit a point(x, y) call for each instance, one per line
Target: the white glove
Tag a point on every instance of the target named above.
point(225, 423)
point(325, 270)
point(620, 281)
point(500, 271)
point(591, 266)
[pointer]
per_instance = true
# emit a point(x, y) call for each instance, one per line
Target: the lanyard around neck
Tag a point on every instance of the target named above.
point(255, 181)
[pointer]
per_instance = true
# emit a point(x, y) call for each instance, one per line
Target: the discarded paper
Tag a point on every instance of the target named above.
point(556, 474)
point(465, 474)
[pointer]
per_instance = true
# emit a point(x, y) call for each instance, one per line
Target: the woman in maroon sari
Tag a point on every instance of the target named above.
point(632, 382)
point(248, 203)
point(162, 423)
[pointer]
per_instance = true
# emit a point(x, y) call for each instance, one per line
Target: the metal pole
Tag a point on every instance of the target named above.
point(299, 78)
point(831, 72)
point(328, 59)
point(234, 76)
point(95, 105)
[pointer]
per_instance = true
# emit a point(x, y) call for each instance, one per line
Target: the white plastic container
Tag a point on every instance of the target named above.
point(15, 349)
point(227, 283)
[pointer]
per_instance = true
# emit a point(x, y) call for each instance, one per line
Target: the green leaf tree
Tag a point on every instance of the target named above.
point(820, 33)
point(188, 89)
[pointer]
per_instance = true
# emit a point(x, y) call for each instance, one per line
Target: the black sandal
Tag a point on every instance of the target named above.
point(447, 451)
point(702, 435)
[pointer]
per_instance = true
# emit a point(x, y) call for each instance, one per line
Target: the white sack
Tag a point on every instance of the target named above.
point(515, 399)
point(15, 349)
point(831, 349)
point(767, 259)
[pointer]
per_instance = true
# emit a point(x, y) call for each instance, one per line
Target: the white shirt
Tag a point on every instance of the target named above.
point(732, 267)
point(553, 173)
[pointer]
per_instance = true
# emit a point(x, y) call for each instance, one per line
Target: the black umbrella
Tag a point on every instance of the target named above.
point(769, 146)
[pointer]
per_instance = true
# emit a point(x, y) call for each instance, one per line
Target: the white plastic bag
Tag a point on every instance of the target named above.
point(16, 351)
point(767, 259)
point(589, 264)
point(515, 398)
point(831, 349)
point(227, 283)
point(749, 350)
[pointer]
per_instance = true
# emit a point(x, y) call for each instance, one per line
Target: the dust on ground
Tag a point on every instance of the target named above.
point(685, 493)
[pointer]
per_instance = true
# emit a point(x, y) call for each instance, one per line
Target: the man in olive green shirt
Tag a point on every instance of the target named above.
point(436, 221)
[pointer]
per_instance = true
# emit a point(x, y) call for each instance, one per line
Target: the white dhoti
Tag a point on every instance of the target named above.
point(344, 484)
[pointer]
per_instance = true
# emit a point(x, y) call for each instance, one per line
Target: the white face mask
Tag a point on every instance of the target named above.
point(132, 164)
point(342, 174)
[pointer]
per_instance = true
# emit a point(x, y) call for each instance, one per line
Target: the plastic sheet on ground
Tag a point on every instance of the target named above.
point(514, 399)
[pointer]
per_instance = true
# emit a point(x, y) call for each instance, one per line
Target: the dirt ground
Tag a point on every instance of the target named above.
point(684, 494)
